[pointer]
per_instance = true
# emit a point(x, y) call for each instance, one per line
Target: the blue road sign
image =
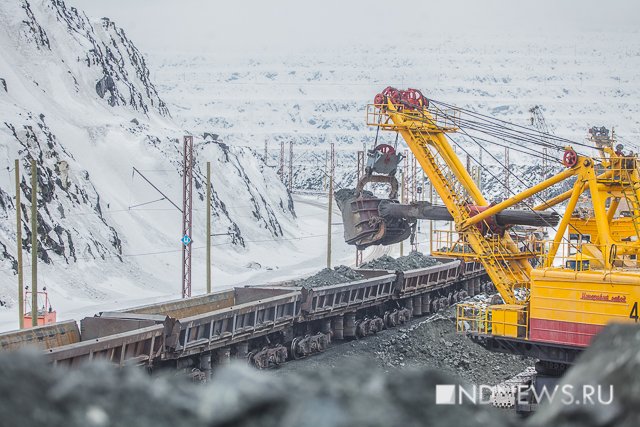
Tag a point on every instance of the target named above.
point(186, 240)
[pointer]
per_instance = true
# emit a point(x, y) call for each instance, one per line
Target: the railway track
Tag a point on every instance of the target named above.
point(266, 325)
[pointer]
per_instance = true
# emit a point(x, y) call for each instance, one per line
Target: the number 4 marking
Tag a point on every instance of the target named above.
point(634, 312)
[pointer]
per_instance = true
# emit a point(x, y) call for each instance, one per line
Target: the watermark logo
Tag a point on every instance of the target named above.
point(484, 394)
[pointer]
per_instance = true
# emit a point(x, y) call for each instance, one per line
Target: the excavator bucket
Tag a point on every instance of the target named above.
point(363, 225)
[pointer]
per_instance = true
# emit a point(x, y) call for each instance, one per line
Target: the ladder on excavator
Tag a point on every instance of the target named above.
point(507, 266)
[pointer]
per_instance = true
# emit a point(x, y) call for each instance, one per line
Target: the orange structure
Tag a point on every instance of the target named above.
point(46, 314)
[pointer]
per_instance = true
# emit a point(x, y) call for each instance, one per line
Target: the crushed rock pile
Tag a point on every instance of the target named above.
point(408, 262)
point(328, 276)
point(99, 396)
point(437, 345)
point(426, 343)
point(348, 394)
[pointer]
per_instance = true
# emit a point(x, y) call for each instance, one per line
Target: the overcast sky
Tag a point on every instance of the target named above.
point(209, 25)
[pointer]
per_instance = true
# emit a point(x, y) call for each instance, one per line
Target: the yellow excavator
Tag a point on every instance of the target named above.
point(585, 277)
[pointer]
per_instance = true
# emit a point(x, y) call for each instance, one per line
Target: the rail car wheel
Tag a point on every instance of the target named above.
point(293, 348)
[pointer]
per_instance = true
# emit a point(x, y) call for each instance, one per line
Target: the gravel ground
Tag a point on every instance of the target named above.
point(425, 342)
point(409, 262)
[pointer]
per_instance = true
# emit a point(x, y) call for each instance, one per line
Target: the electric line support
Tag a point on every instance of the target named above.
point(266, 152)
point(290, 182)
point(330, 204)
point(414, 198)
point(34, 243)
point(187, 211)
point(360, 173)
point(209, 227)
point(19, 247)
point(506, 171)
point(281, 168)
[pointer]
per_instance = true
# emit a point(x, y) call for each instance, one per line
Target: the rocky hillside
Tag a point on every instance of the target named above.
point(77, 96)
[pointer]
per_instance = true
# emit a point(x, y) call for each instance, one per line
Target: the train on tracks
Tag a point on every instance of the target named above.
point(264, 324)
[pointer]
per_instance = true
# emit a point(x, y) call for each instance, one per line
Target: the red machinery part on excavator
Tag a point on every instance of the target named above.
point(411, 98)
point(414, 98)
point(489, 225)
point(569, 158)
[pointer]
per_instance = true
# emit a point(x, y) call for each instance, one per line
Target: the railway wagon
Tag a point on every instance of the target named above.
point(42, 337)
point(264, 324)
point(168, 333)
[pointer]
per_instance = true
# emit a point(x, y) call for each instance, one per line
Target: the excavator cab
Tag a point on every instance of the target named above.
point(578, 262)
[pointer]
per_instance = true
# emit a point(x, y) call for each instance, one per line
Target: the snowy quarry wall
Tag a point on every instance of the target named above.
point(76, 96)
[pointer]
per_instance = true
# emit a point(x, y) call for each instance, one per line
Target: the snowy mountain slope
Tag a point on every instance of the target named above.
point(317, 96)
point(76, 96)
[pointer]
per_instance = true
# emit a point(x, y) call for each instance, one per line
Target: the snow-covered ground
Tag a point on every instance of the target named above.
point(296, 254)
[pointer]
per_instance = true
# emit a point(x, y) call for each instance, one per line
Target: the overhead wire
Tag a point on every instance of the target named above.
point(517, 137)
point(510, 191)
point(515, 127)
point(276, 239)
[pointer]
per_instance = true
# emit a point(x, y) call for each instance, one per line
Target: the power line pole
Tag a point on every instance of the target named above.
point(480, 170)
point(290, 165)
point(414, 180)
point(187, 210)
point(414, 196)
point(402, 200)
point(19, 247)
point(209, 227)
point(403, 188)
point(430, 221)
point(330, 207)
point(360, 173)
point(545, 170)
point(538, 121)
point(34, 243)
point(326, 173)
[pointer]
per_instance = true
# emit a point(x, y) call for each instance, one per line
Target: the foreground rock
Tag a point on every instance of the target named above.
point(97, 395)
point(352, 394)
point(613, 359)
point(430, 342)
